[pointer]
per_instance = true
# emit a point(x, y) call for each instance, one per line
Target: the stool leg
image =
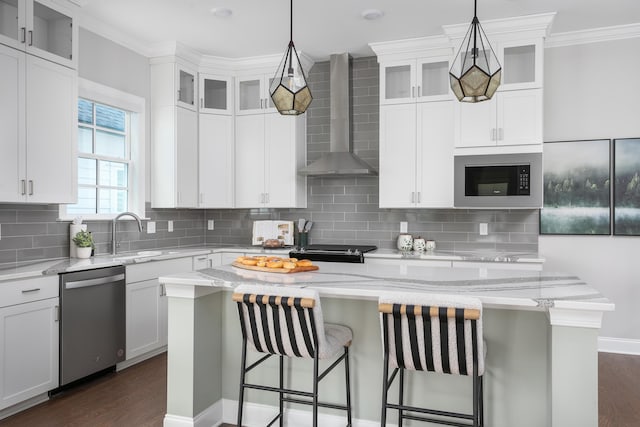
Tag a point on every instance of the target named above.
point(401, 396)
point(315, 389)
point(281, 393)
point(385, 379)
point(481, 403)
point(346, 369)
point(243, 366)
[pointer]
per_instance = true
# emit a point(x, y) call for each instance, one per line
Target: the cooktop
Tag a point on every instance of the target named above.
point(333, 253)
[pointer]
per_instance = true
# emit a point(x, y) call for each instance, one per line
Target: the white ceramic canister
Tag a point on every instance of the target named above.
point(431, 245)
point(405, 242)
point(419, 244)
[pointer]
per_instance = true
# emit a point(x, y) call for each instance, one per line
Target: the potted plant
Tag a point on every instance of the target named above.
point(84, 241)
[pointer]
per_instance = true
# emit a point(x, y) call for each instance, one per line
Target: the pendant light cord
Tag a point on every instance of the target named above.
point(290, 70)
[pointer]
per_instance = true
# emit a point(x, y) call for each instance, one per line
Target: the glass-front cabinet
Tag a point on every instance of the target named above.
point(216, 94)
point(521, 62)
point(252, 94)
point(414, 80)
point(40, 27)
point(186, 84)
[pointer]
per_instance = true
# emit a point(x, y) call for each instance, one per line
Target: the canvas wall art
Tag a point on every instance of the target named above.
point(626, 199)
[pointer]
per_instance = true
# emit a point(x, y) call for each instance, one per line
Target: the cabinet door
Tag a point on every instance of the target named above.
point(434, 174)
point(397, 156)
point(520, 117)
point(51, 114)
point(433, 80)
point(186, 158)
point(28, 350)
point(186, 84)
point(397, 82)
point(281, 175)
point(250, 95)
point(216, 169)
point(12, 122)
point(476, 124)
point(522, 64)
point(144, 312)
point(51, 33)
point(215, 94)
point(13, 27)
point(250, 160)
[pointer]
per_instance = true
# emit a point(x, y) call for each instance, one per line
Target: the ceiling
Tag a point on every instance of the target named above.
point(321, 27)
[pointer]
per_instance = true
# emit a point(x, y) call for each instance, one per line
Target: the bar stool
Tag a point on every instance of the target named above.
point(288, 322)
point(436, 333)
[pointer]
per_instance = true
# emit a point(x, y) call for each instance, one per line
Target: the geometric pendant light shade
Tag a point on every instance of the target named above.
point(289, 90)
point(475, 73)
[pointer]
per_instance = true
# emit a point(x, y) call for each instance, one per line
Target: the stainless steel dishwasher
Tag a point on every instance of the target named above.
point(92, 322)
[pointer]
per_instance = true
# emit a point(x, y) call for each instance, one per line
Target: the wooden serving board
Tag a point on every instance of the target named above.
point(275, 270)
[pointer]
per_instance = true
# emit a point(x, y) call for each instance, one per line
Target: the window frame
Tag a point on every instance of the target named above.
point(136, 106)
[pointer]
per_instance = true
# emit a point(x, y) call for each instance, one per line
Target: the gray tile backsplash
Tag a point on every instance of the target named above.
point(344, 210)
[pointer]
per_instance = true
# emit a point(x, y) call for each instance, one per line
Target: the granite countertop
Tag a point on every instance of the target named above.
point(517, 289)
point(63, 265)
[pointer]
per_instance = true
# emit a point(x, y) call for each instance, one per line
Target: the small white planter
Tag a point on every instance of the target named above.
point(83, 252)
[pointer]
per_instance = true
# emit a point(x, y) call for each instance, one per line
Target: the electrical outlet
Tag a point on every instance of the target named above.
point(170, 226)
point(404, 226)
point(484, 228)
point(210, 225)
point(151, 227)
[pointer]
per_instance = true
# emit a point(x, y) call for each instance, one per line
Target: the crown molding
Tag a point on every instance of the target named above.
point(537, 25)
point(594, 35)
point(439, 45)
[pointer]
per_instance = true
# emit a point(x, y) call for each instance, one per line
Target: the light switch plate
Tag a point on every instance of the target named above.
point(210, 224)
point(404, 226)
point(170, 226)
point(151, 227)
point(484, 228)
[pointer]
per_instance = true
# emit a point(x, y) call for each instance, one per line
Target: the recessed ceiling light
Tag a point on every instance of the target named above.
point(372, 14)
point(222, 12)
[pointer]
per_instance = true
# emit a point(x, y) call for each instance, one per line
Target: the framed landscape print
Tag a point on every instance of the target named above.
point(626, 196)
point(576, 194)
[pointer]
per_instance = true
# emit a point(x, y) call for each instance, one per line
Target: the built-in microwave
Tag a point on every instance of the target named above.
point(498, 181)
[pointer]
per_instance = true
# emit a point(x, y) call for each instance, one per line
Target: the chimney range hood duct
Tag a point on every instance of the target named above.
point(340, 160)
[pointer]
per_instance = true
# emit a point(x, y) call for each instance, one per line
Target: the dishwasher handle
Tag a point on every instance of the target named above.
point(94, 282)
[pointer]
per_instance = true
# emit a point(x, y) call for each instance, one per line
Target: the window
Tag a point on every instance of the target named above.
point(110, 150)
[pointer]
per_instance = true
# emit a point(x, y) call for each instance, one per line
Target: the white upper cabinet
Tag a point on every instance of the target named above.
point(40, 27)
point(174, 135)
point(414, 80)
point(216, 94)
point(521, 62)
point(270, 149)
point(38, 119)
point(216, 161)
point(252, 94)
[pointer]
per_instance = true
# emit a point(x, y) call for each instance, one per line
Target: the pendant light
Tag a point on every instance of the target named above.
point(289, 90)
point(475, 73)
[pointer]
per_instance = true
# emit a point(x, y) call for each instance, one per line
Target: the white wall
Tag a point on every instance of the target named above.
point(590, 92)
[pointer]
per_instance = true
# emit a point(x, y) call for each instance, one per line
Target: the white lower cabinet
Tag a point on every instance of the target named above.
point(207, 261)
point(147, 304)
point(29, 332)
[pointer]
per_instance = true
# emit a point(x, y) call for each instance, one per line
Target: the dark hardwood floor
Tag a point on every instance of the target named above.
point(137, 397)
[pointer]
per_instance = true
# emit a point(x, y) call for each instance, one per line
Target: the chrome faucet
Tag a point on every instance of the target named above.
point(113, 228)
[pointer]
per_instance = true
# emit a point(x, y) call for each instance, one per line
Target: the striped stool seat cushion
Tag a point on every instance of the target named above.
point(429, 332)
point(278, 328)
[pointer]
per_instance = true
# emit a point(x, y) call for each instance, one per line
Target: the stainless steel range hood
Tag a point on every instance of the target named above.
point(340, 160)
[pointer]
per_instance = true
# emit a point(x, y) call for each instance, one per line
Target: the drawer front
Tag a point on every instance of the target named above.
point(154, 269)
point(28, 290)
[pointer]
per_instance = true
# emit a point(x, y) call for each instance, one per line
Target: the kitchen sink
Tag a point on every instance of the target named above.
point(141, 254)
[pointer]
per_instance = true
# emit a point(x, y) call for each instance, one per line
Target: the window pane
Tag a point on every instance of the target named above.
point(109, 117)
point(110, 144)
point(86, 171)
point(113, 174)
point(85, 140)
point(85, 111)
point(112, 201)
point(86, 202)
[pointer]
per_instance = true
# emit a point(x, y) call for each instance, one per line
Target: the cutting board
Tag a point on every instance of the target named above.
point(275, 270)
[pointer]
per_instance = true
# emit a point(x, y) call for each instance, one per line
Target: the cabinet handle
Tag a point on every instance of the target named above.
point(418, 197)
point(23, 183)
point(201, 102)
point(162, 292)
point(413, 91)
point(57, 313)
point(31, 187)
point(419, 91)
point(28, 291)
point(30, 37)
point(178, 94)
point(501, 134)
point(23, 39)
point(413, 197)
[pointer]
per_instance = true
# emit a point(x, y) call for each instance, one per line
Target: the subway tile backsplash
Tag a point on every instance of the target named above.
point(344, 210)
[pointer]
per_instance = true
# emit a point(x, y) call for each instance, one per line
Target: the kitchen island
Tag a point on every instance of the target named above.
point(541, 332)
